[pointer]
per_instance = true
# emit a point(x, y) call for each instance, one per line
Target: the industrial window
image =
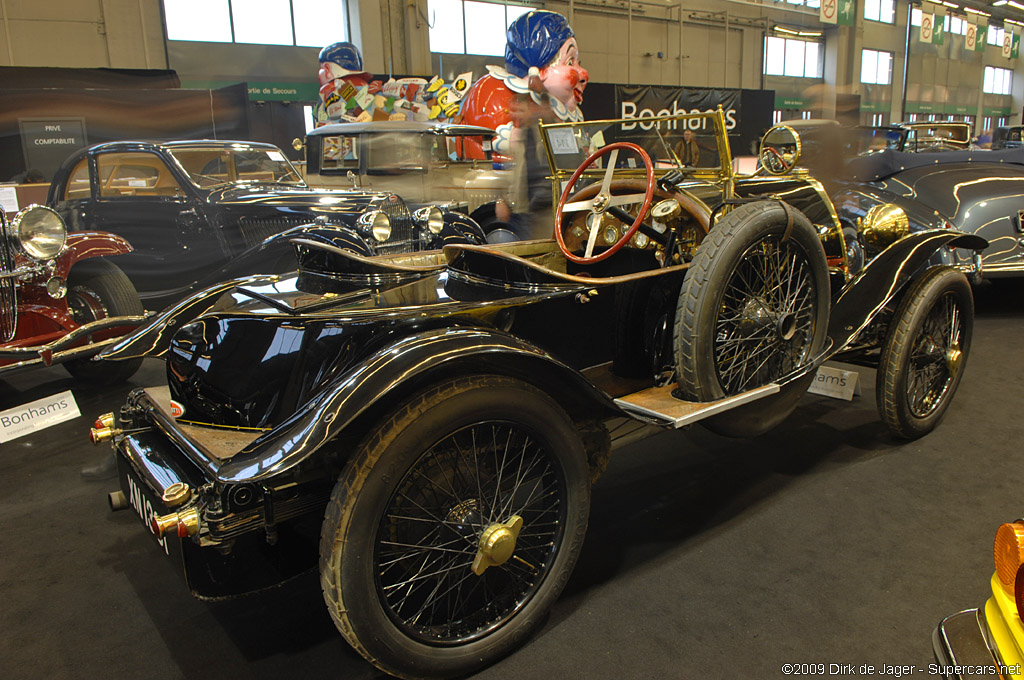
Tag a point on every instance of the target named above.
point(995, 36)
point(469, 27)
point(814, 4)
point(880, 10)
point(997, 80)
point(876, 67)
point(789, 57)
point(305, 23)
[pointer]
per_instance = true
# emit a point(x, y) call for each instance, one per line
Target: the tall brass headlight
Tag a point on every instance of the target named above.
point(376, 224)
point(430, 218)
point(40, 231)
point(883, 225)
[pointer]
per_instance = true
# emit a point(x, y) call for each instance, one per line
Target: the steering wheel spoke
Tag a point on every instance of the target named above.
point(604, 200)
point(626, 199)
point(579, 206)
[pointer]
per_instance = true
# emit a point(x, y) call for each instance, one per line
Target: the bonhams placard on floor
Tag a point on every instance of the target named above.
point(37, 415)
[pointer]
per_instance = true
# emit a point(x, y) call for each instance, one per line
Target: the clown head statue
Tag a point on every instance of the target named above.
point(541, 58)
point(542, 43)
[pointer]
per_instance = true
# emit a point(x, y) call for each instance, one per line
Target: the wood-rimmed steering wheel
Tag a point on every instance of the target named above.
point(604, 200)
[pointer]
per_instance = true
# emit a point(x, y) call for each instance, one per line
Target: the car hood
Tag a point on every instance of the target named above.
point(953, 189)
point(277, 196)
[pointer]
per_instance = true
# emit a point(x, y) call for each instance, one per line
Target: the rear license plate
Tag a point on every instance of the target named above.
point(146, 506)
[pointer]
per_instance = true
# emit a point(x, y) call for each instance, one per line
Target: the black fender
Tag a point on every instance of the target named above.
point(867, 293)
point(460, 228)
point(416, 359)
point(153, 339)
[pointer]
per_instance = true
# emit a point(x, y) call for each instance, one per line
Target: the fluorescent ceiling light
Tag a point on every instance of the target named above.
point(977, 11)
point(801, 33)
point(1011, 3)
point(949, 4)
point(999, 3)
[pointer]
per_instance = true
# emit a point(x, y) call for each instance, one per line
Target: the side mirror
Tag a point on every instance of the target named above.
point(780, 150)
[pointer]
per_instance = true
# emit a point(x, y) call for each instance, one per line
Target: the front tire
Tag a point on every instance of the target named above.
point(98, 289)
point(753, 309)
point(408, 521)
point(925, 352)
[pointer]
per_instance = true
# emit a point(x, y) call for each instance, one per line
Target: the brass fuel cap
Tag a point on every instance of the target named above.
point(176, 494)
point(497, 543)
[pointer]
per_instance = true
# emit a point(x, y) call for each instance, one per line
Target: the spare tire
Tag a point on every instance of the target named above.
point(753, 308)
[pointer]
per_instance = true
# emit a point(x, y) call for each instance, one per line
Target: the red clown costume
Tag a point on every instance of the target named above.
point(542, 59)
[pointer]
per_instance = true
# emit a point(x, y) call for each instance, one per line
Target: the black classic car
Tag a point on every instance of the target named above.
point(61, 299)
point(978, 192)
point(205, 210)
point(425, 427)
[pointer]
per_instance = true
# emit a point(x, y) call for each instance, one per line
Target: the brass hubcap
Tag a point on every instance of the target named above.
point(954, 358)
point(497, 543)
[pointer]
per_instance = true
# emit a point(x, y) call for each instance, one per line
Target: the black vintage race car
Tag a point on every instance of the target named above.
point(425, 428)
point(203, 210)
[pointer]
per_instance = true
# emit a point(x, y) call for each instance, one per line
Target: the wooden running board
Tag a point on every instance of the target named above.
point(658, 405)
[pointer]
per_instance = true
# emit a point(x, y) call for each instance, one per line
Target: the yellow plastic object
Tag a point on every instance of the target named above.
point(1004, 625)
point(1008, 553)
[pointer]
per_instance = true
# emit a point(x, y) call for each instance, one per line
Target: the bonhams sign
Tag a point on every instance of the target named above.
point(650, 101)
point(37, 415)
point(747, 112)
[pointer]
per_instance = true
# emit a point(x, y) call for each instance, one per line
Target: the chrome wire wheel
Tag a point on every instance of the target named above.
point(765, 322)
point(925, 352)
point(455, 526)
point(935, 358)
point(469, 533)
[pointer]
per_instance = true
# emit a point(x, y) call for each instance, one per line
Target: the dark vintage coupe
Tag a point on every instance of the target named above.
point(61, 299)
point(977, 192)
point(204, 210)
point(425, 428)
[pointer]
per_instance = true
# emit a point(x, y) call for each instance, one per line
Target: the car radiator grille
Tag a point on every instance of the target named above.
point(403, 238)
point(256, 229)
point(8, 285)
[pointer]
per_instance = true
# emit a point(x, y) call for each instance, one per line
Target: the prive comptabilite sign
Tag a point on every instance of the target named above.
point(37, 415)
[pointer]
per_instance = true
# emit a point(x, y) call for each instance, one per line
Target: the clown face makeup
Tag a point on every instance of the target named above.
point(565, 78)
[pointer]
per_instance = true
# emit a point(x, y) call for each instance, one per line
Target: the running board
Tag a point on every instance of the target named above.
point(657, 405)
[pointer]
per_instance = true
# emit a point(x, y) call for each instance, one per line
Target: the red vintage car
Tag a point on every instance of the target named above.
point(60, 302)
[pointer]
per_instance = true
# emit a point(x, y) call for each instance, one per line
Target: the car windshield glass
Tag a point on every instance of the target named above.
point(949, 133)
point(212, 166)
point(690, 141)
point(339, 152)
point(396, 152)
point(874, 139)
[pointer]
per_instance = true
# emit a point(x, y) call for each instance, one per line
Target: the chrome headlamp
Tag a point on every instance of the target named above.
point(376, 224)
point(430, 218)
point(40, 231)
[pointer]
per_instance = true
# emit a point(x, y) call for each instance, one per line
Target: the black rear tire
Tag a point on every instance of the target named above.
point(405, 520)
point(98, 289)
point(925, 352)
point(753, 308)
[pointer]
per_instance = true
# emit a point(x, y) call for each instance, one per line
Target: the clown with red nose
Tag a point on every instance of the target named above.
point(542, 59)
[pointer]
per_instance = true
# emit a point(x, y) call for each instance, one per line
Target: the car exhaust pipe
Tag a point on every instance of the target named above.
point(117, 501)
